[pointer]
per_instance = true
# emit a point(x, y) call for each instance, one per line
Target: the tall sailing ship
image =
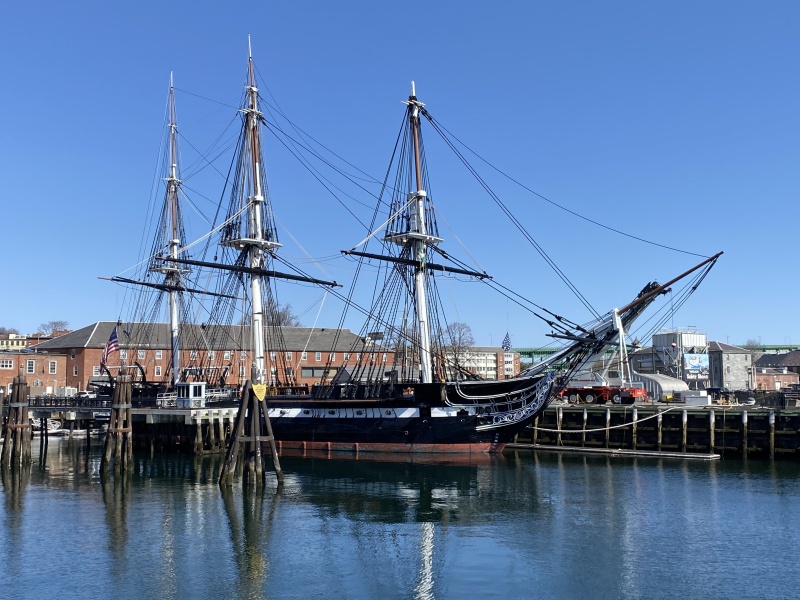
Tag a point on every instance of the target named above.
point(394, 387)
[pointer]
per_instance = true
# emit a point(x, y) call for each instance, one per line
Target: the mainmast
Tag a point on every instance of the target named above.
point(417, 238)
point(254, 242)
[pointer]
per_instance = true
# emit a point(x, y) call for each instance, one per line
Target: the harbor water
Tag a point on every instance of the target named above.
point(521, 525)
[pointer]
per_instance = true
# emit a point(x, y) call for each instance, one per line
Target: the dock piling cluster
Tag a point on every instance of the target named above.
point(17, 445)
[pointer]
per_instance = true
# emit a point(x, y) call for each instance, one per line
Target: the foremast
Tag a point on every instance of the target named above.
point(172, 271)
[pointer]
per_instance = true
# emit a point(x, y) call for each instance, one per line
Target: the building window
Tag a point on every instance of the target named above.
point(288, 356)
point(241, 370)
point(332, 356)
point(272, 356)
point(210, 355)
point(317, 372)
point(29, 366)
point(159, 354)
point(158, 370)
point(75, 371)
point(72, 353)
point(226, 355)
point(193, 355)
point(243, 355)
point(384, 357)
point(289, 371)
point(304, 356)
point(318, 356)
point(123, 354)
point(96, 371)
point(140, 354)
point(52, 367)
point(346, 356)
point(6, 363)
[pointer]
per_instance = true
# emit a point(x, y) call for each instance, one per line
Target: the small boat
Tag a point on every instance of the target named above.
point(395, 388)
point(54, 426)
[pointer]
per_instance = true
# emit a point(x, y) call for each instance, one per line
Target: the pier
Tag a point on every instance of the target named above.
point(664, 429)
point(672, 429)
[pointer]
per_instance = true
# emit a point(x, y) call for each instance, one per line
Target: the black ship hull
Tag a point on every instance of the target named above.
point(471, 417)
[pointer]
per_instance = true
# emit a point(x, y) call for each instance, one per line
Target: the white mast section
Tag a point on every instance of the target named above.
point(255, 232)
point(172, 272)
point(172, 187)
point(418, 248)
point(253, 240)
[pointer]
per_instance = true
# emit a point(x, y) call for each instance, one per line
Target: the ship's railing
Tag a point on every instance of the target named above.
point(71, 402)
point(167, 400)
point(220, 394)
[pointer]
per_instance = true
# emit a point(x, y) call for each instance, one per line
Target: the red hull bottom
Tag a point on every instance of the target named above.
point(479, 448)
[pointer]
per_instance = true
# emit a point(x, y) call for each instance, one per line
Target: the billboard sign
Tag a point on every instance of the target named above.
point(695, 367)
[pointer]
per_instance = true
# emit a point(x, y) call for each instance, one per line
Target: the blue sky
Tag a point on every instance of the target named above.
point(676, 122)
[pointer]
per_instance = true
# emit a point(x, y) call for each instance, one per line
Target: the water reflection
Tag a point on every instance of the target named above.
point(250, 516)
point(564, 526)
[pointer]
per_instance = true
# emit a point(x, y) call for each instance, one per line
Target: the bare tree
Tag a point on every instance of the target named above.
point(52, 326)
point(459, 342)
point(6, 330)
point(283, 316)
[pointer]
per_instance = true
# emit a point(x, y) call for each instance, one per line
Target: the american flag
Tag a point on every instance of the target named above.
point(111, 346)
point(507, 343)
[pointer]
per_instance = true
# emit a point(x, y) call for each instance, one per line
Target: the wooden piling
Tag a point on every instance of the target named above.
point(659, 430)
point(684, 423)
point(711, 428)
point(119, 438)
point(198, 437)
point(44, 438)
point(744, 433)
point(583, 433)
point(17, 445)
point(634, 419)
point(772, 434)
point(608, 426)
point(535, 430)
point(559, 420)
point(247, 432)
point(212, 432)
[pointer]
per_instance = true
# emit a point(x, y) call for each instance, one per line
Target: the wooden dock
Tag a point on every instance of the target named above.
point(647, 428)
point(613, 452)
point(675, 429)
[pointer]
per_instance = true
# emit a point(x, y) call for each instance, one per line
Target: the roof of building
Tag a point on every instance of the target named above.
point(789, 359)
point(727, 348)
point(210, 337)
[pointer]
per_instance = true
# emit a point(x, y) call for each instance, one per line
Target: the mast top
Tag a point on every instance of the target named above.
point(249, 48)
point(413, 90)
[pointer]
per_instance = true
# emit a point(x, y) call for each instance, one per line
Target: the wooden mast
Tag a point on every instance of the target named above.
point(171, 270)
point(253, 405)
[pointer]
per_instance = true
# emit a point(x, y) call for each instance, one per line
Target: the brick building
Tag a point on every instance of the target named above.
point(487, 362)
point(221, 356)
point(44, 372)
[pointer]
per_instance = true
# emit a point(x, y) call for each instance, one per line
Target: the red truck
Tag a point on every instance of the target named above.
point(599, 388)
